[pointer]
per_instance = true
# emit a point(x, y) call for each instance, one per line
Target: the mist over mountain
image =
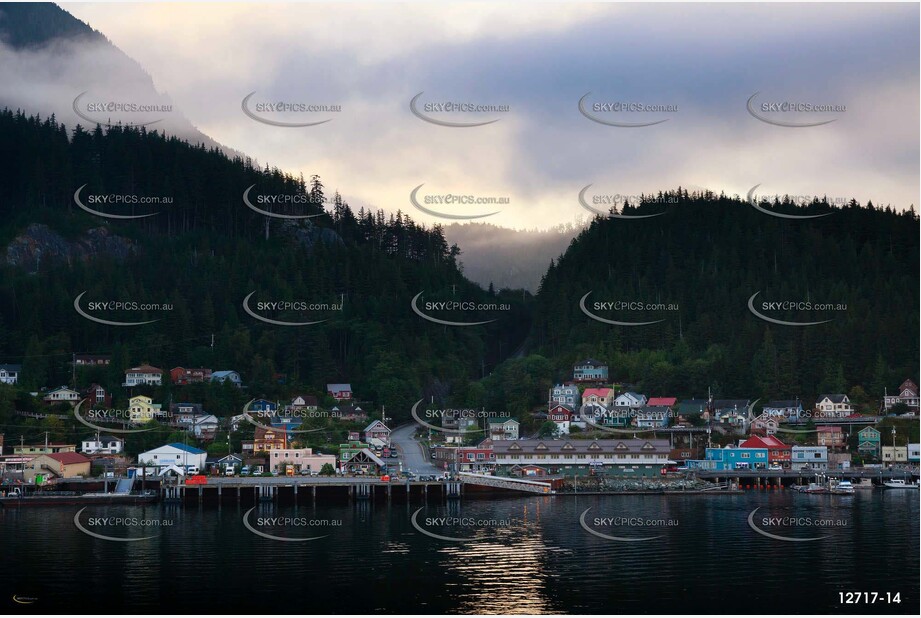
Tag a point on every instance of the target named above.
point(507, 258)
point(55, 64)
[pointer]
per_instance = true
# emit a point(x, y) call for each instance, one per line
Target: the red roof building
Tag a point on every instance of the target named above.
point(662, 401)
point(778, 452)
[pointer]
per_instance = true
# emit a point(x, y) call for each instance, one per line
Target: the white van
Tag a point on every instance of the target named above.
point(192, 470)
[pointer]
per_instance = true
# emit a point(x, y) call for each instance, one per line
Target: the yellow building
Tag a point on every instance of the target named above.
point(142, 409)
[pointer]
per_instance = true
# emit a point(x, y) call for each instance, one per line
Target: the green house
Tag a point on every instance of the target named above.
point(868, 441)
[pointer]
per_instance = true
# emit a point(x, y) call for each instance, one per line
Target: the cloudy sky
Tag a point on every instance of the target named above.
point(703, 62)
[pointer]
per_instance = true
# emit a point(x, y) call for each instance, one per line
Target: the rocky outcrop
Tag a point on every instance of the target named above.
point(39, 244)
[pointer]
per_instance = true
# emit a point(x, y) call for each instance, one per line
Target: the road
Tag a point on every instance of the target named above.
point(411, 454)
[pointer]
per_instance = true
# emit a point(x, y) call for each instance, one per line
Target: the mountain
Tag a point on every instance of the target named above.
point(702, 261)
point(507, 258)
point(55, 64)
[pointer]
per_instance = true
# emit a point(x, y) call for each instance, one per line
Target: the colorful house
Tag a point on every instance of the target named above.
point(868, 442)
point(564, 393)
point(227, 376)
point(908, 395)
point(377, 433)
point(731, 458)
point(145, 375)
point(778, 453)
point(831, 436)
point(189, 375)
point(590, 370)
point(339, 392)
point(58, 465)
point(603, 397)
point(142, 409)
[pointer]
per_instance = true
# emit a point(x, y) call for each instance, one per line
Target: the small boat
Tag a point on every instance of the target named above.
point(900, 484)
point(812, 488)
point(840, 488)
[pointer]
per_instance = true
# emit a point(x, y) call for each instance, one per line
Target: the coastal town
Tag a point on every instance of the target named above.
point(590, 428)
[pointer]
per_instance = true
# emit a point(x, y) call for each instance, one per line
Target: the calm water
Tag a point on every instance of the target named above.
point(521, 555)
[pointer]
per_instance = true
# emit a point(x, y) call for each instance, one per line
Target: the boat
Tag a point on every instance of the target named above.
point(840, 488)
point(900, 484)
point(811, 488)
point(17, 498)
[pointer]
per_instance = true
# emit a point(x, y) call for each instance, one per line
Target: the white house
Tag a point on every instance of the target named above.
point(301, 459)
point(62, 394)
point(143, 375)
point(176, 454)
point(102, 445)
point(630, 400)
point(914, 453)
point(835, 405)
point(9, 374)
point(204, 425)
point(810, 457)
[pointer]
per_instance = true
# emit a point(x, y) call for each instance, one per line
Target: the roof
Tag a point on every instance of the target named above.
point(603, 446)
point(68, 458)
point(833, 397)
point(598, 392)
point(632, 394)
point(501, 420)
point(763, 442)
point(144, 369)
point(692, 405)
point(186, 448)
point(223, 373)
point(376, 425)
point(662, 401)
point(591, 362)
point(16, 368)
point(105, 438)
point(338, 387)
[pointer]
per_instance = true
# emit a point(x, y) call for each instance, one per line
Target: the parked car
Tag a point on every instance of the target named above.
point(230, 471)
point(244, 470)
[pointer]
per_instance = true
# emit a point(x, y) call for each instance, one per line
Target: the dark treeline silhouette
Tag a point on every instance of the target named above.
point(205, 251)
point(708, 255)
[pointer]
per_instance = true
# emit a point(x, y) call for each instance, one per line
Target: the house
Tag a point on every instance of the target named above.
point(590, 370)
point(692, 407)
point(303, 402)
point(765, 425)
point(668, 402)
point(220, 465)
point(43, 449)
point(778, 453)
point(102, 445)
point(630, 399)
point(895, 454)
point(788, 410)
point(609, 457)
point(868, 442)
point(182, 414)
point(269, 439)
point(652, 417)
point(263, 407)
point(357, 458)
point(9, 374)
point(189, 375)
point(810, 457)
point(349, 412)
point(503, 428)
point(914, 453)
point(57, 465)
point(377, 434)
point(908, 395)
point(831, 436)
point(562, 414)
point(143, 375)
point(833, 406)
point(62, 395)
point(227, 376)
point(96, 395)
point(339, 392)
point(564, 393)
point(731, 458)
point(176, 454)
point(444, 455)
point(204, 426)
point(92, 360)
point(142, 409)
point(732, 412)
point(300, 459)
point(603, 397)
point(476, 459)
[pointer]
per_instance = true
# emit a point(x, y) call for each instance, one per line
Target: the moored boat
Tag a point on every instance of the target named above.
point(17, 498)
point(900, 484)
